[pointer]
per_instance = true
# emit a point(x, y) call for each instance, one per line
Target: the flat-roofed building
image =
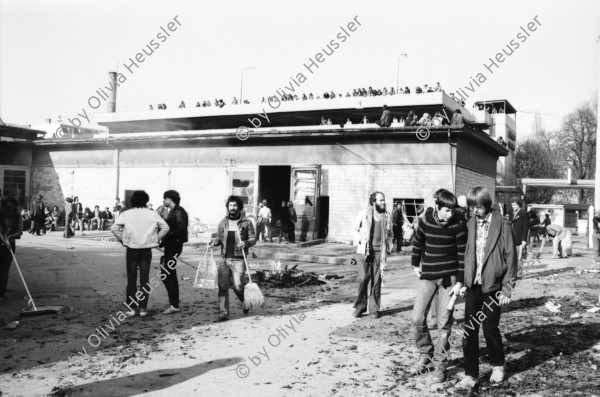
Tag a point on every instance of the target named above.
point(327, 171)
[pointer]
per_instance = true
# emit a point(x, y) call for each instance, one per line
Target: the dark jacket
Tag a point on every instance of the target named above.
point(178, 227)
point(37, 212)
point(386, 118)
point(293, 216)
point(499, 260)
point(11, 222)
point(596, 221)
point(520, 227)
point(246, 232)
point(397, 219)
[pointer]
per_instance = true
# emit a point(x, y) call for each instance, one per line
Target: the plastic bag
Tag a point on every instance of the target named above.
point(206, 274)
point(407, 231)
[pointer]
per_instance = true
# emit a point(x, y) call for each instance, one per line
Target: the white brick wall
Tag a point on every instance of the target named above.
point(349, 188)
point(204, 189)
point(92, 185)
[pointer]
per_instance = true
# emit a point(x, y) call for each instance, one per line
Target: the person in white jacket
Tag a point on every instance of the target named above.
point(139, 229)
point(372, 232)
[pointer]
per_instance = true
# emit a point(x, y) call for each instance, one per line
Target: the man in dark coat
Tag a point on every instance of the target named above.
point(173, 244)
point(386, 118)
point(397, 222)
point(520, 227)
point(37, 217)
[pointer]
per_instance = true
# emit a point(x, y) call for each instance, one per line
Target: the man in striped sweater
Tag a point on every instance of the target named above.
point(438, 261)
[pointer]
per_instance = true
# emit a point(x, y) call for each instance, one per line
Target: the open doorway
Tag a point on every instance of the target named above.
point(274, 186)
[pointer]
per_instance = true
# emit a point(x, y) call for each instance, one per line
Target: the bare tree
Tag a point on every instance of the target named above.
point(535, 159)
point(576, 143)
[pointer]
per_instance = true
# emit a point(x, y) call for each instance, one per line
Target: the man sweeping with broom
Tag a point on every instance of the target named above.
point(235, 235)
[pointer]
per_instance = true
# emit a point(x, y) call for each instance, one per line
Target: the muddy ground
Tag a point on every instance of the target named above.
point(304, 342)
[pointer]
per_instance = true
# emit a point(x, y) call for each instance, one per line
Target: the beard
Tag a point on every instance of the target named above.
point(233, 214)
point(379, 209)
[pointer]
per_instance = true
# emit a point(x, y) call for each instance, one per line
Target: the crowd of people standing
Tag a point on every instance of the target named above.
point(462, 247)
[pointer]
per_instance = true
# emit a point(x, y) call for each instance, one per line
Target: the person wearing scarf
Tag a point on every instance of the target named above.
point(372, 229)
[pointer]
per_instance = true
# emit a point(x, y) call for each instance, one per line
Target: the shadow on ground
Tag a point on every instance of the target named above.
point(143, 382)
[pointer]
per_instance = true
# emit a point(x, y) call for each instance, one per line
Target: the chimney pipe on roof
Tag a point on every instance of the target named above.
point(49, 121)
point(111, 104)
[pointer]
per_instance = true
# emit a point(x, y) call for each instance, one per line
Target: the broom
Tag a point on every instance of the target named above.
point(28, 311)
point(253, 297)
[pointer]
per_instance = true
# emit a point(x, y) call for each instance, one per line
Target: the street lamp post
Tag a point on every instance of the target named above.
point(242, 82)
point(398, 73)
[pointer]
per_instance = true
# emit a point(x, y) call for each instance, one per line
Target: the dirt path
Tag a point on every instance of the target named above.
point(297, 345)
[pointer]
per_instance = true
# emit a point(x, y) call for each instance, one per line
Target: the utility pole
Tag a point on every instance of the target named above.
point(398, 73)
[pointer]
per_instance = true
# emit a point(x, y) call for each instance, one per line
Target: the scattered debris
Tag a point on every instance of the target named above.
point(552, 307)
point(293, 277)
point(12, 325)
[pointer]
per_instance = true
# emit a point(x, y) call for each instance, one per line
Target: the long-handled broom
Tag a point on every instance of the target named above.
point(253, 297)
point(33, 310)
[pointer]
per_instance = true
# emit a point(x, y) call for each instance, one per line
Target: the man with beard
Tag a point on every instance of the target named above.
point(173, 244)
point(438, 262)
point(372, 229)
point(11, 228)
point(235, 233)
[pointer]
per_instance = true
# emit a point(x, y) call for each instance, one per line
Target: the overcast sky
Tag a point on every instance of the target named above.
point(55, 54)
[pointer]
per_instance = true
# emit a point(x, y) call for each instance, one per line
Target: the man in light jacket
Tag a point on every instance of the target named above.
point(139, 229)
point(372, 229)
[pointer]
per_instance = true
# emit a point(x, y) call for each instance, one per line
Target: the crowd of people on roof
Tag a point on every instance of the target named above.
point(357, 92)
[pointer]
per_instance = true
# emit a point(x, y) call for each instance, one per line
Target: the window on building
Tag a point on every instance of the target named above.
point(412, 208)
point(305, 183)
point(242, 185)
point(14, 183)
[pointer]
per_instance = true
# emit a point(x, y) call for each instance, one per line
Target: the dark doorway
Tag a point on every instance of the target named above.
point(274, 186)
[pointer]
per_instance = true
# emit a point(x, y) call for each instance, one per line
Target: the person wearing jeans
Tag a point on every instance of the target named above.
point(438, 261)
point(232, 269)
point(138, 259)
point(140, 230)
point(372, 231)
point(177, 219)
point(491, 269)
point(235, 233)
